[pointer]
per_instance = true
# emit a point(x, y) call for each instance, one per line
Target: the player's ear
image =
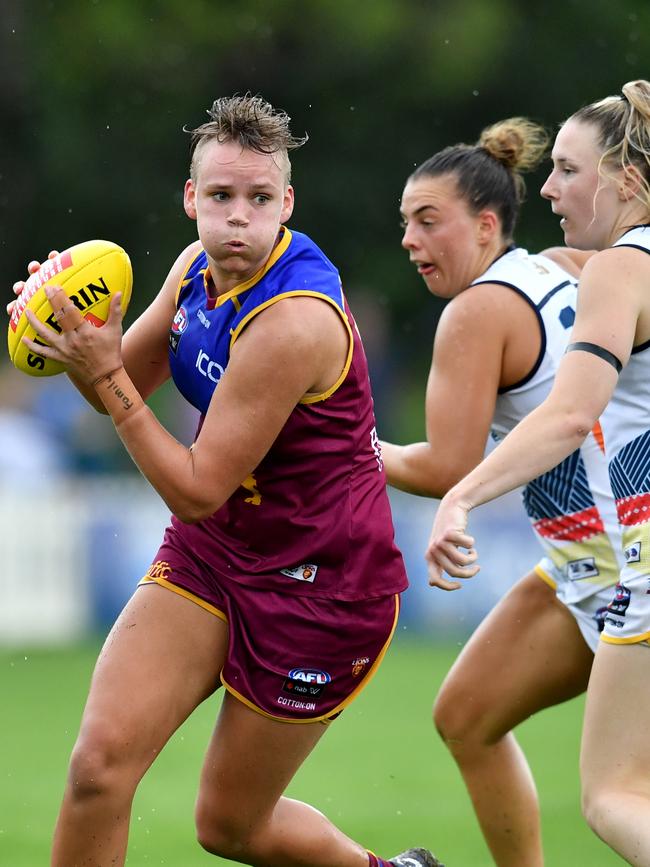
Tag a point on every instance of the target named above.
point(287, 204)
point(630, 184)
point(487, 226)
point(189, 199)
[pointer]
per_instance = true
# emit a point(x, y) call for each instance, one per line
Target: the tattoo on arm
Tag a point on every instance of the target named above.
point(119, 395)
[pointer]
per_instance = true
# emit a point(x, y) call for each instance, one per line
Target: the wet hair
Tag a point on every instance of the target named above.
point(623, 126)
point(488, 174)
point(250, 121)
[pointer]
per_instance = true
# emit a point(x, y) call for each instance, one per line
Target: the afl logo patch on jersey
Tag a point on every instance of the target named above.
point(179, 325)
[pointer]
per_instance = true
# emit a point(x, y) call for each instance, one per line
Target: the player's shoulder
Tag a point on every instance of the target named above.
point(618, 262)
point(480, 300)
point(620, 271)
point(180, 270)
point(303, 316)
point(302, 251)
point(570, 259)
point(188, 256)
point(477, 316)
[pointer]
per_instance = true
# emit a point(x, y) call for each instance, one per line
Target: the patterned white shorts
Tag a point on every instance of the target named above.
point(589, 612)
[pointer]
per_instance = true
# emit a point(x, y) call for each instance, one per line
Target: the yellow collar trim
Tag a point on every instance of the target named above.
point(279, 249)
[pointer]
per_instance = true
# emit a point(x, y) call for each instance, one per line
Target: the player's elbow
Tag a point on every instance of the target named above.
point(193, 511)
point(576, 426)
point(441, 477)
point(193, 505)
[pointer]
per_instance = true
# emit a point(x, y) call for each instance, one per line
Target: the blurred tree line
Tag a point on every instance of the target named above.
point(95, 94)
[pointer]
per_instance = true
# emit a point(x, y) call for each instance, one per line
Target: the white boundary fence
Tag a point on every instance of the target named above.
point(72, 552)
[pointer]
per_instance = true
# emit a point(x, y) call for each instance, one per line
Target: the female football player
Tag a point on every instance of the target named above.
point(497, 346)
point(281, 535)
point(600, 188)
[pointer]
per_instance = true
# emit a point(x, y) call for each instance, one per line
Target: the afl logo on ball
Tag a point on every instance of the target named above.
point(178, 327)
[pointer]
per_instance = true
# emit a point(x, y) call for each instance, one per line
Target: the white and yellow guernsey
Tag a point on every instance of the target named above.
point(571, 507)
point(626, 432)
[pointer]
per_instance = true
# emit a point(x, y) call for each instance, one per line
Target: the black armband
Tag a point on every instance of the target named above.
point(600, 351)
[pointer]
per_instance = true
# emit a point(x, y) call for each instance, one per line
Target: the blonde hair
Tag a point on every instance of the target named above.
point(623, 125)
point(253, 123)
point(488, 174)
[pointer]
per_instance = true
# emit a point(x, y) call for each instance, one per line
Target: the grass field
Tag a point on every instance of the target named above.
point(381, 773)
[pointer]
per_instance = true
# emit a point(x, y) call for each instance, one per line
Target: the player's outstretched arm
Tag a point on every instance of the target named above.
point(583, 387)
point(465, 375)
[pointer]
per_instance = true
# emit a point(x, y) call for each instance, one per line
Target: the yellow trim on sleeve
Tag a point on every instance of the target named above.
point(309, 398)
point(543, 574)
point(183, 281)
point(181, 591)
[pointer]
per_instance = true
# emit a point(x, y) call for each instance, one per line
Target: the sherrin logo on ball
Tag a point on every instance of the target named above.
point(89, 274)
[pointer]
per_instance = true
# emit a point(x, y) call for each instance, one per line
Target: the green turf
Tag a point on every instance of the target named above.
point(380, 773)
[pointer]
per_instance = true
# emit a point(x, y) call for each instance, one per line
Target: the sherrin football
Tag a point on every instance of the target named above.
point(90, 274)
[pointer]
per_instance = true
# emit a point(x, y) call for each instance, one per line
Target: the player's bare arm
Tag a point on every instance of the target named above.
point(476, 352)
point(145, 345)
point(583, 387)
point(611, 301)
point(296, 347)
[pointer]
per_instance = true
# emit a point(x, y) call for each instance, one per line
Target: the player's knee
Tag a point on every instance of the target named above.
point(221, 833)
point(95, 765)
point(455, 716)
point(596, 802)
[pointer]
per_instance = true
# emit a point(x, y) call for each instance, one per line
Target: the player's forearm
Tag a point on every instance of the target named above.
point(417, 470)
point(540, 442)
point(163, 461)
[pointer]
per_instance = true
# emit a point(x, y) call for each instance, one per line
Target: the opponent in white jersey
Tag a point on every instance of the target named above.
point(626, 430)
point(571, 506)
point(497, 346)
point(600, 185)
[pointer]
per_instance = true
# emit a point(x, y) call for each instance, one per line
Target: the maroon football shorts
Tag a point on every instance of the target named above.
point(290, 657)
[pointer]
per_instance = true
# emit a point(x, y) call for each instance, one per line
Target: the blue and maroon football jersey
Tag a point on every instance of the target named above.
point(314, 517)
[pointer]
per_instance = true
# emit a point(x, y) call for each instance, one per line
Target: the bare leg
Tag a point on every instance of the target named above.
point(161, 659)
point(527, 654)
point(241, 814)
point(615, 760)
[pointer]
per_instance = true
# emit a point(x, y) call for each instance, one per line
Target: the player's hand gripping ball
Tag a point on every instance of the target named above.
point(89, 274)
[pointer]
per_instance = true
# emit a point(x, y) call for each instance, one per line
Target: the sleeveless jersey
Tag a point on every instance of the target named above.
point(314, 517)
point(571, 507)
point(626, 430)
